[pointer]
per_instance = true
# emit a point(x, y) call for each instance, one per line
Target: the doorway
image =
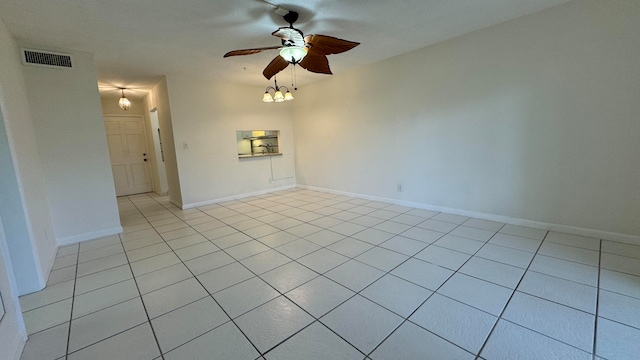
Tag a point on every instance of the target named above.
point(128, 153)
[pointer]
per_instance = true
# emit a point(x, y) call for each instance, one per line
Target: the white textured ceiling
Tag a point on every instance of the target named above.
point(135, 42)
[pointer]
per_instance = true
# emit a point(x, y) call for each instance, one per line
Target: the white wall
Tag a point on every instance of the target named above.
point(158, 98)
point(17, 228)
point(13, 334)
point(205, 117)
point(23, 198)
point(66, 110)
point(533, 119)
point(23, 202)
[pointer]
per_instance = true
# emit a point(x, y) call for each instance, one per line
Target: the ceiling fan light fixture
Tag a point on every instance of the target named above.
point(295, 47)
point(267, 97)
point(124, 103)
point(293, 54)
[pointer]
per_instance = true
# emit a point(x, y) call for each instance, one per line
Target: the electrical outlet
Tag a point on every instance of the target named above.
point(399, 187)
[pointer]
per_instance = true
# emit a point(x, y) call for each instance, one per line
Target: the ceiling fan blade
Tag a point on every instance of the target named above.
point(326, 45)
point(250, 51)
point(316, 63)
point(275, 66)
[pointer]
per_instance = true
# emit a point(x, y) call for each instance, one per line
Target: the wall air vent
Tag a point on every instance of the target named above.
point(47, 59)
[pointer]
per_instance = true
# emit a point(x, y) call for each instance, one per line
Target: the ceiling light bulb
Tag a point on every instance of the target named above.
point(278, 97)
point(288, 96)
point(267, 98)
point(293, 54)
point(124, 103)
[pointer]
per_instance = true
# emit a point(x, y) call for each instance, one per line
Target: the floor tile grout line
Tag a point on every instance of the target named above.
point(99, 271)
point(618, 321)
point(621, 294)
point(567, 260)
point(97, 248)
point(546, 336)
point(556, 302)
point(555, 242)
point(595, 320)
point(315, 320)
point(622, 272)
point(504, 263)
point(486, 340)
point(106, 307)
point(73, 294)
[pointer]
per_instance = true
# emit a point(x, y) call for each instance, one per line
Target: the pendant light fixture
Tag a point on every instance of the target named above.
point(124, 103)
point(277, 93)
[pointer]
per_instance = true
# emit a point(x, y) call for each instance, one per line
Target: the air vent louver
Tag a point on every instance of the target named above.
point(47, 59)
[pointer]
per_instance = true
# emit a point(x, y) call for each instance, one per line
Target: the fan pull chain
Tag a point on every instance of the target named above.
point(293, 70)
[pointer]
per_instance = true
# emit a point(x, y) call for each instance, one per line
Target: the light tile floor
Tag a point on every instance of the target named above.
point(301, 274)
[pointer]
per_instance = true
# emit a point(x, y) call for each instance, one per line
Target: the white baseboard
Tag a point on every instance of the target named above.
point(236, 197)
point(592, 233)
point(89, 236)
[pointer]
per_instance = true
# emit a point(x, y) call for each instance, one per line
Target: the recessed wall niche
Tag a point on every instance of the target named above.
point(258, 143)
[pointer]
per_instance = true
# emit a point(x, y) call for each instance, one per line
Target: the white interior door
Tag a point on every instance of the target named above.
point(128, 153)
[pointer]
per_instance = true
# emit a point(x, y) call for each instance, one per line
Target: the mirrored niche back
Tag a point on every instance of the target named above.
point(258, 143)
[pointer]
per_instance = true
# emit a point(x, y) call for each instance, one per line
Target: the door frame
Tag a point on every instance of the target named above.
point(162, 186)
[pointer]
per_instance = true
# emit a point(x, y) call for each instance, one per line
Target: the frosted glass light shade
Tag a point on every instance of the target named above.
point(293, 54)
point(278, 96)
point(267, 98)
point(288, 96)
point(124, 103)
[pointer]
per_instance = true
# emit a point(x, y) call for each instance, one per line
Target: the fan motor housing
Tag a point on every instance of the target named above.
point(291, 17)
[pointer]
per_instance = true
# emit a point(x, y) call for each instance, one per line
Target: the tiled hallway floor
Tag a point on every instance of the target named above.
point(300, 274)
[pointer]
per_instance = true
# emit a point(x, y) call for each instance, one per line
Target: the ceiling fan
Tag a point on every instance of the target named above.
point(310, 52)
